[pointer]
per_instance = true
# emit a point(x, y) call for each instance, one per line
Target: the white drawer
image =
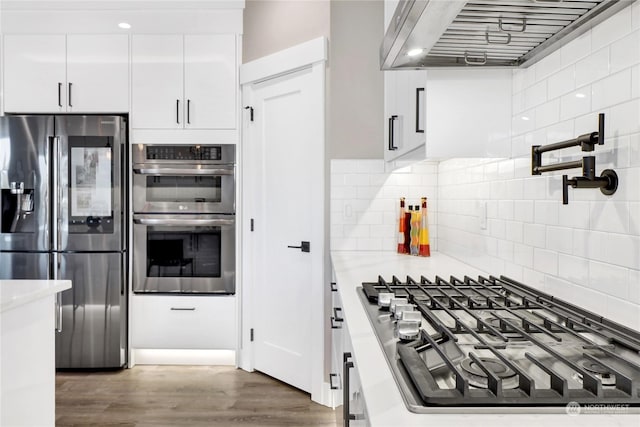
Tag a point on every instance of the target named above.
point(183, 322)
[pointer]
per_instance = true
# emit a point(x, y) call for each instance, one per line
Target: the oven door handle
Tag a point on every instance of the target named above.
point(177, 222)
point(142, 169)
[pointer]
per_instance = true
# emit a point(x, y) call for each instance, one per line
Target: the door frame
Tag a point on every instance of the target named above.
point(312, 55)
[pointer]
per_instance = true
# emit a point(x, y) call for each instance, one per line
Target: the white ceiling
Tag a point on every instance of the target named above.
point(118, 4)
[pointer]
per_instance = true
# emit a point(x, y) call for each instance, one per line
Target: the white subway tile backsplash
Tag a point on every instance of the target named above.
point(560, 239)
point(635, 81)
point(576, 49)
point(609, 279)
point(634, 218)
point(610, 217)
point(611, 90)
point(548, 65)
point(356, 179)
point(592, 68)
point(545, 261)
point(623, 250)
point(574, 269)
point(546, 212)
point(561, 82)
point(548, 113)
point(514, 231)
point(535, 235)
point(370, 166)
point(574, 215)
point(576, 103)
point(624, 312)
point(625, 52)
point(623, 118)
point(535, 95)
point(634, 286)
point(523, 210)
point(611, 29)
point(523, 255)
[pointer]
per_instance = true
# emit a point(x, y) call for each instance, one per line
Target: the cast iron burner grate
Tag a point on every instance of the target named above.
point(496, 342)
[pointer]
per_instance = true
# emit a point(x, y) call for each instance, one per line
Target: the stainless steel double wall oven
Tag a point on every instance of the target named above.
point(184, 219)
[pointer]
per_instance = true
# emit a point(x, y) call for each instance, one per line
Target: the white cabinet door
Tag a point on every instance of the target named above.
point(98, 73)
point(157, 81)
point(405, 113)
point(210, 81)
point(468, 113)
point(34, 74)
point(183, 322)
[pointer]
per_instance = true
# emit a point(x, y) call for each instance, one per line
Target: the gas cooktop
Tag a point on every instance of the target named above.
point(495, 343)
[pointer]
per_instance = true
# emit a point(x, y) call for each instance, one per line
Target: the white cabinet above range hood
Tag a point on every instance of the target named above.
point(511, 33)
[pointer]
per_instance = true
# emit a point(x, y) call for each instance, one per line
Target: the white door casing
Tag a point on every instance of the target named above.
point(283, 192)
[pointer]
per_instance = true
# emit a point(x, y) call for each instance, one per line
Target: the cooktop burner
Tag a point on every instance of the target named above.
point(494, 342)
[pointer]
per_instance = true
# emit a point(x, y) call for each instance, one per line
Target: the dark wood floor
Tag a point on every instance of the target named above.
point(183, 395)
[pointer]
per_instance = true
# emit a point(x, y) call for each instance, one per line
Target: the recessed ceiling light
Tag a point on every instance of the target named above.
point(415, 52)
point(580, 95)
point(124, 25)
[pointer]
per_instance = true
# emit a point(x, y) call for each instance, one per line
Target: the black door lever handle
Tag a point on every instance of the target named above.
point(304, 247)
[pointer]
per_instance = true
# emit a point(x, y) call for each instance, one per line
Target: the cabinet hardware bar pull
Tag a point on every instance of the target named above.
point(183, 308)
point(177, 111)
point(69, 100)
point(331, 377)
point(419, 91)
point(391, 143)
point(188, 111)
point(59, 312)
point(59, 94)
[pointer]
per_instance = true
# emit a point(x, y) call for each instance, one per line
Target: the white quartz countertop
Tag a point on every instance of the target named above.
point(385, 406)
point(15, 293)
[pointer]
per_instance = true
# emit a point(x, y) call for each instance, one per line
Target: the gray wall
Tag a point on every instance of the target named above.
point(270, 26)
point(355, 92)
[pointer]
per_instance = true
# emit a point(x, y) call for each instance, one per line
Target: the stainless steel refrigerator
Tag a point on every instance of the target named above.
point(63, 216)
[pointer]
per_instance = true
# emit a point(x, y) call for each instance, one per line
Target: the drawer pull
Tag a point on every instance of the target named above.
point(183, 309)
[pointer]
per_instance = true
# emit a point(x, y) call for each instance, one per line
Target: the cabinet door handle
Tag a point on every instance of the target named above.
point(188, 111)
point(331, 377)
point(419, 92)
point(334, 287)
point(183, 309)
point(335, 325)
point(346, 413)
point(69, 100)
point(59, 94)
point(392, 120)
point(177, 111)
point(337, 313)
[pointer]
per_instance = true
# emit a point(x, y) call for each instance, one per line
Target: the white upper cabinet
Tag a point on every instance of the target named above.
point(210, 81)
point(97, 73)
point(184, 81)
point(404, 112)
point(468, 113)
point(157, 81)
point(58, 73)
point(34, 74)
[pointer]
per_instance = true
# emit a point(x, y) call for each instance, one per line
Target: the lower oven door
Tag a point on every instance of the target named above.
point(184, 254)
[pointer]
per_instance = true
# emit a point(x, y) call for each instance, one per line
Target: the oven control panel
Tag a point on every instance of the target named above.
point(183, 152)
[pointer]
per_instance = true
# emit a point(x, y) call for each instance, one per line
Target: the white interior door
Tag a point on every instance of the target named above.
point(286, 197)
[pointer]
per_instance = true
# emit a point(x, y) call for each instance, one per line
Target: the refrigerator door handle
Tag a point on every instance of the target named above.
point(56, 157)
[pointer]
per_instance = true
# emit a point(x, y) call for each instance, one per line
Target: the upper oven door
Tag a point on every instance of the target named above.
point(184, 188)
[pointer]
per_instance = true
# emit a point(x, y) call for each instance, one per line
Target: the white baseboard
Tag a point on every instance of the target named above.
point(146, 356)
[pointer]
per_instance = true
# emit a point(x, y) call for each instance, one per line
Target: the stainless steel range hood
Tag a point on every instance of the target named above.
point(475, 33)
